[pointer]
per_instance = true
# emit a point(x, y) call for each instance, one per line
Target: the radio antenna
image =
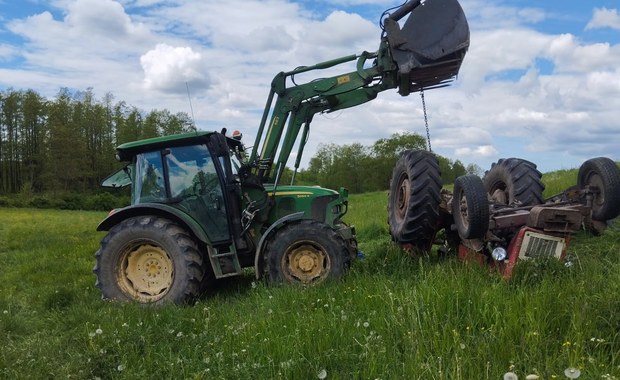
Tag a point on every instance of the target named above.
point(190, 106)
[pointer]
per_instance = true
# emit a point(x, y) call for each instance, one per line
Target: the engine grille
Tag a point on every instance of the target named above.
point(539, 245)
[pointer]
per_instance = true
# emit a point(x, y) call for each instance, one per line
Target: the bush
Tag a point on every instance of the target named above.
point(69, 201)
point(13, 201)
point(105, 202)
point(72, 202)
point(40, 202)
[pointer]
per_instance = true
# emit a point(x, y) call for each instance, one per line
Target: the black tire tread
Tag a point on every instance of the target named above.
point(309, 229)
point(521, 177)
point(196, 271)
point(420, 223)
point(610, 175)
point(477, 207)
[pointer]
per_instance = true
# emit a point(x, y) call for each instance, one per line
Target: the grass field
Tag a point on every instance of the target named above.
point(392, 317)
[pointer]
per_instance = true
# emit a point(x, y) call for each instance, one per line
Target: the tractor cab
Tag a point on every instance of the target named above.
point(188, 173)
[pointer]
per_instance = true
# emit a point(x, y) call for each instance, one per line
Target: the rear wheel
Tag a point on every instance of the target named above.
point(603, 174)
point(148, 259)
point(515, 182)
point(413, 204)
point(306, 252)
point(470, 207)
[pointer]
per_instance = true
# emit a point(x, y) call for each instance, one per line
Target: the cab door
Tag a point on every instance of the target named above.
point(196, 185)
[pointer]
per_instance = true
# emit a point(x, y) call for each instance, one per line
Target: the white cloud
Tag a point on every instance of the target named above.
point(263, 39)
point(497, 50)
point(339, 34)
point(7, 52)
point(569, 54)
point(99, 27)
point(168, 68)
point(480, 151)
point(604, 18)
point(102, 18)
point(386, 3)
point(606, 83)
point(485, 15)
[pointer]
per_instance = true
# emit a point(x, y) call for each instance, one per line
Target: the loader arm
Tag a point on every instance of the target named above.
point(426, 53)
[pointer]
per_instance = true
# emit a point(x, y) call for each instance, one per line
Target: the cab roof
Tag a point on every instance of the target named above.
point(127, 150)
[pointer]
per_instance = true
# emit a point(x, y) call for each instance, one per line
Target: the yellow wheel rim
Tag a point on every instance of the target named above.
point(306, 263)
point(463, 210)
point(402, 198)
point(146, 272)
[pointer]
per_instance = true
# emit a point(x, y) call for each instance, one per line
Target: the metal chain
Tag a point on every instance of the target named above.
point(428, 132)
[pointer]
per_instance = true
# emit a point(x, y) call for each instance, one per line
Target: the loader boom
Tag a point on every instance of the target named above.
point(426, 53)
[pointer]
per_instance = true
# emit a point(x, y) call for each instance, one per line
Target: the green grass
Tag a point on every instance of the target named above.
point(558, 181)
point(392, 317)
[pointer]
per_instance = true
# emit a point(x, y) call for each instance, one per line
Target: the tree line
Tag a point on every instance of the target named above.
point(66, 145)
point(369, 168)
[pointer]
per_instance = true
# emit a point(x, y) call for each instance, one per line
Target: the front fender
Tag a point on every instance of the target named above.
point(159, 209)
point(258, 267)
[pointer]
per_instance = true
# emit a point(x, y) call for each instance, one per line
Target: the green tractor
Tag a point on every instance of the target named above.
point(203, 208)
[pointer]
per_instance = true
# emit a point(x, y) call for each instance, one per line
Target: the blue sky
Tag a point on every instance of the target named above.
point(541, 80)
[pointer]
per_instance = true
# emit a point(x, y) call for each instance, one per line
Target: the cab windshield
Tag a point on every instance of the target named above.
point(190, 172)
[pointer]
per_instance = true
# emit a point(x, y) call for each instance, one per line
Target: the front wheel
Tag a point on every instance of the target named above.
point(149, 259)
point(470, 207)
point(603, 174)
point(306, 252)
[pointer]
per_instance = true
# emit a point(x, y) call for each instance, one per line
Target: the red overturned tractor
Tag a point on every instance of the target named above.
point(501, 218)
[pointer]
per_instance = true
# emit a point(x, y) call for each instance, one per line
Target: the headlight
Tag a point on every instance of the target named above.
point(499, 254)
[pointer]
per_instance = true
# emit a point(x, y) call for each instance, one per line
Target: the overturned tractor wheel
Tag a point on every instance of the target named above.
point(413, 204)
point(470, 207)
point(603, 176)
point(515, 182)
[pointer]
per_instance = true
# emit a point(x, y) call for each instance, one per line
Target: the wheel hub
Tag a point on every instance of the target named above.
point(147, 273)
point(500, 196)
point(464, 211)
point(402, 198)
point(307, 264)
point(596, 181)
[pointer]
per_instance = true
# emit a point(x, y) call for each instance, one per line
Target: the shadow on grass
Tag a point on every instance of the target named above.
point(236, 286)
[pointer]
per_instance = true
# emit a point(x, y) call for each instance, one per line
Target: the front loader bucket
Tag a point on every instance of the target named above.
point(431, 45)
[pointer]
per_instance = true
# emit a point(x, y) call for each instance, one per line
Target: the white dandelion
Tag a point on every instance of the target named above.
point(572, 373)
point(511, 376)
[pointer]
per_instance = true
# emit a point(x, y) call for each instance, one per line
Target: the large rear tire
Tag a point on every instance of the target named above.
point(306, 252)
point(470, 207)
point(515, 182)
point(602, 173)
point(414, 198)
point(149, 259)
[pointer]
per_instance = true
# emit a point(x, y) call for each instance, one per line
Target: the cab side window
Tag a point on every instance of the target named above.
point(150, 186)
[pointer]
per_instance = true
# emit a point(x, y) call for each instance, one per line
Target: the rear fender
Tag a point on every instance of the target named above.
point(162, 210)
